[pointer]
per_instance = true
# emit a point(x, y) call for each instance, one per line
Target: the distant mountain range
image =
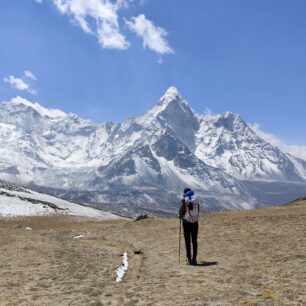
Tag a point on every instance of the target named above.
point(143, 163)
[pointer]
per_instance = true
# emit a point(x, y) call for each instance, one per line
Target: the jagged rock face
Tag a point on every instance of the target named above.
point(226, 141)
point(142, 162)
point(178, 117)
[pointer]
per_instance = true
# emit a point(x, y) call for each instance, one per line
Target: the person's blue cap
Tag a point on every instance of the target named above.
point(188, 194)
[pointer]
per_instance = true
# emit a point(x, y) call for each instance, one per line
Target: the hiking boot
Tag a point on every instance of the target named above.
point(189, 261)
point(193, 262)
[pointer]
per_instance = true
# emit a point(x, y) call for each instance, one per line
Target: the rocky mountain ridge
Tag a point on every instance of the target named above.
point(142, 163)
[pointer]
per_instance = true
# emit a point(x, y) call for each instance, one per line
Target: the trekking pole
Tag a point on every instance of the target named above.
point(180, 241)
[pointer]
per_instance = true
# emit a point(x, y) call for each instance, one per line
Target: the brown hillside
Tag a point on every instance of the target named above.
point(260, 255)
point(299, 201)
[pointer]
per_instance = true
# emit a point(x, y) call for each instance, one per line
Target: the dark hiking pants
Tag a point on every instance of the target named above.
point(191, 231)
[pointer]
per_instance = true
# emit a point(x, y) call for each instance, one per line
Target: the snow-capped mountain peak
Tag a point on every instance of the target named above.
point(229, 121)
point(51, 113)
point(171, 102)
point(171, 94)
point(173, 112)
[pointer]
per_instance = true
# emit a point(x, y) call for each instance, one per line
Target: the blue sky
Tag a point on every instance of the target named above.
point(108, 60)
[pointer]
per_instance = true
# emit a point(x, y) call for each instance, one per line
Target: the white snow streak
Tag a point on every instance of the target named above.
point(121, 270)
point(78, 237)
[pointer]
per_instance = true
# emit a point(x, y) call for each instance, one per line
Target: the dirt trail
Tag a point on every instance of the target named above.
point(260, 256)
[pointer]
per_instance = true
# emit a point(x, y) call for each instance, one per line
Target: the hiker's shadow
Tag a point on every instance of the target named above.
point(206, 263)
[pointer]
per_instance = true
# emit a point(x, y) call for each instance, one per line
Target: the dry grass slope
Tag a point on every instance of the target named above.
point(261, 258)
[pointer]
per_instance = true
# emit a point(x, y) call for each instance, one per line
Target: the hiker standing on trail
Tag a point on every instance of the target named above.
point(189, 212)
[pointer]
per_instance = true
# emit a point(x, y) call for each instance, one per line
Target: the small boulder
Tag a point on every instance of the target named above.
point(141, 217)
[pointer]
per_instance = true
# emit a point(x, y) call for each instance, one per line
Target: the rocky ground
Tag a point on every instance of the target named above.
point(247, 258)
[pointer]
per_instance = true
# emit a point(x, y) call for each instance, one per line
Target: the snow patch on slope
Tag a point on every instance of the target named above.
point(19, 203)
point(14, 207)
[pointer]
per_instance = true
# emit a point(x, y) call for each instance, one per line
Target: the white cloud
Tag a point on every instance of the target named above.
point(22, 83)
point(100, 19)
point(16, 82)
point(208, 111)
point(154, 37)
point(295, 150)
point(97, 17)
point(39, 1)
point(30, 75)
